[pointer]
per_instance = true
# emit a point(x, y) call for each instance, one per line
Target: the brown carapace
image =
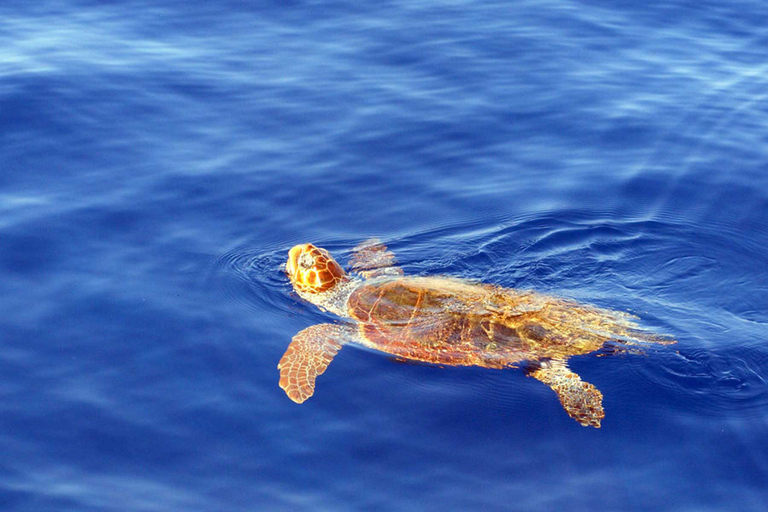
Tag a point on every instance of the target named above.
point(448, 321)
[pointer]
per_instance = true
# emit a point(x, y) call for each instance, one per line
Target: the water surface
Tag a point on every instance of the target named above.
point(158, 159)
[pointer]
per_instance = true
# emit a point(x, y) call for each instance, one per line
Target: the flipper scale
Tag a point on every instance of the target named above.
point(581, 400)
point(372, 259)
point(308, 355)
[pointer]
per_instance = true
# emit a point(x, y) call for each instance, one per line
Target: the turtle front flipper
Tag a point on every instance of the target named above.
point(372, 259)
point(581, 400)
point(308, 355)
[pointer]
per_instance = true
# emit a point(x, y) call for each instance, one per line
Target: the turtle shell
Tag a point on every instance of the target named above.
point(455, 322)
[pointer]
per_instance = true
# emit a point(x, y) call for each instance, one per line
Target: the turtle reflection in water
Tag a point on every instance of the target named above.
point(447, 321)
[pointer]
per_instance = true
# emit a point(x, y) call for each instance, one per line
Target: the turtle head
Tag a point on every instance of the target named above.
point(312, 269)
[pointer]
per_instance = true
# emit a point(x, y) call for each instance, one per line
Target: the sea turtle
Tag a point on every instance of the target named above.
point(447, 321)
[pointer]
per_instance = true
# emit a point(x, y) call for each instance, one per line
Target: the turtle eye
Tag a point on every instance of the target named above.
point(306, 261)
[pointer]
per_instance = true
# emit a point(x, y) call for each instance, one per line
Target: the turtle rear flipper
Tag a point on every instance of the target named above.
point(581, 400)
point(308, 355)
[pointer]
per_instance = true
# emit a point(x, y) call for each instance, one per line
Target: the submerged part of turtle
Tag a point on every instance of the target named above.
point(447, 321)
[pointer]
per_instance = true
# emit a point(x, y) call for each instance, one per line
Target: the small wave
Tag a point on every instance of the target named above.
point(254, 279)
point(716, 382)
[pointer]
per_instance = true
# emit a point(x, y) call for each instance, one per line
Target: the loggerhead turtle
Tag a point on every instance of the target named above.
point(447, 321)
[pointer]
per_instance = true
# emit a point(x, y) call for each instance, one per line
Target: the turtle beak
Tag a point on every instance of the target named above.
point(293, 258)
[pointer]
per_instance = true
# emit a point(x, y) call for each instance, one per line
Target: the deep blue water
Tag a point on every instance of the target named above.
point(159, 158)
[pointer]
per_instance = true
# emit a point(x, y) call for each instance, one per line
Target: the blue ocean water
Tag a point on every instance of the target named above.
point(159, 158)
